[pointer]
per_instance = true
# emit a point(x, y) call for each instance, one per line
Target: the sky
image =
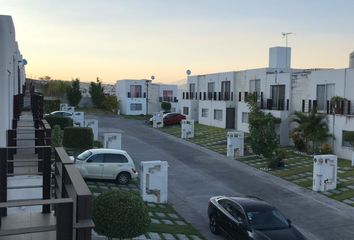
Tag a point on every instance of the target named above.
point(135, 39)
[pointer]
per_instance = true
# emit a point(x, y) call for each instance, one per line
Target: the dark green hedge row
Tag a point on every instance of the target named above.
point(78, 138)
point(63, 122)
point(51, 105)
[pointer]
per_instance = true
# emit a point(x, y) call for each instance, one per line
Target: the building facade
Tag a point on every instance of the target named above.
point(12, 74)
point(218, 99)
point(133, 96)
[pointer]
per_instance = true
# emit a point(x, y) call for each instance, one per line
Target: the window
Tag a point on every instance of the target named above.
point(98, 158)
point(115, 158)
point(234, 210)
point(136, 107)
point(225, 86)
point(205, 112)
point(192, 87)
point(185, 110)
point(278, 96)
point(167, 95)
point(255, 86)
point(345, 143)
point(135, 91)
point(218, 114)
point(211, 89)
point(324, 93)
point(245, 117)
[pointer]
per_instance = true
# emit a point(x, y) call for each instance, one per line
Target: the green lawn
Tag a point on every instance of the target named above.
point(298, 168)
point(95, 111)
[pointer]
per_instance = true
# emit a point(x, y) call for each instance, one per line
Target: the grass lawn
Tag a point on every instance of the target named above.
point(95, 111)
point(298, 168)
point(165, 220)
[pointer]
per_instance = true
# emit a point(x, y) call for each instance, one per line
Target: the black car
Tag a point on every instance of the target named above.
point(251, 218)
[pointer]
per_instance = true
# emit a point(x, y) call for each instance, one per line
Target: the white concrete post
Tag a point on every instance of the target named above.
point(63, 107)
point(157, 120)
point(112, 140)
point(79, 119)
point(154, 181)
point(70, 109)
point(187, 129)
point(235, 144)
point(92, 123)
point(324, 172)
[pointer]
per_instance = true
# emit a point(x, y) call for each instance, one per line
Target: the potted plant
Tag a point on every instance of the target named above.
point(336, 103)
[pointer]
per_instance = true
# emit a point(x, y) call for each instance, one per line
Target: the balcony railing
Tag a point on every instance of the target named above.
point(343, 107)
point(129, 95)
point(208, 96)
point(168, 99)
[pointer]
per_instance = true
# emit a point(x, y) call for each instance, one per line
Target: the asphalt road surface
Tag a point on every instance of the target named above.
point(196, 174)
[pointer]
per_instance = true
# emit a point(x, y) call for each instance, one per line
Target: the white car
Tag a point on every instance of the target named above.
point(102, 163)
point(61, 114)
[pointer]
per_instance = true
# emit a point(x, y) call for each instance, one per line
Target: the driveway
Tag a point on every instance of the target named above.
point(196, 174)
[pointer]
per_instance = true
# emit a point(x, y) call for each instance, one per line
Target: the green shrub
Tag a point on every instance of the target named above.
point(57, 136)
point(120, 214)
point(166, 106)
point(299, 141)
point(51, 105)
point(63, 122)
point(97, 144)
point(278, 160)
point(78, 138)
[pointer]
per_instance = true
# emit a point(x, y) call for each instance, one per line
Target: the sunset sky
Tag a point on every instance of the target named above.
point(119, 39)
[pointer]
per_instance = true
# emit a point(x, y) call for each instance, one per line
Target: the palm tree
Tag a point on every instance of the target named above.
point(313, 128)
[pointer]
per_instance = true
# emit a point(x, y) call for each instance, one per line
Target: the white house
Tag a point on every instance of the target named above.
point(134, 95)
point(12, 74)
point(218, 99)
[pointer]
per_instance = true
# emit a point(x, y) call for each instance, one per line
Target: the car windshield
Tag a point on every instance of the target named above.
point(267, 219)
point(84, 155)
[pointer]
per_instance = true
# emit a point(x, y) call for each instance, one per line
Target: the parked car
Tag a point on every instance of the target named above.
point(249, 218)
point(172, 118)
point(61, 114)
point(102, 163)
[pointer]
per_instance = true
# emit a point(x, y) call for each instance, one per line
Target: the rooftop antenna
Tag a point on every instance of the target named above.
point(285, 35)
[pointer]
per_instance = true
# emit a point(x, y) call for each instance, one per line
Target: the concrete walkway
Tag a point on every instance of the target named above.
point(196, 174)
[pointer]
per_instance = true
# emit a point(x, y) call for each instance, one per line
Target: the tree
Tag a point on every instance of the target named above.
point(74, 93)
point(110, 103)
point(97, 94)
point(166, 106)
point(120, 214)
point(263, 138)
point(56, 88)
point(312, 128)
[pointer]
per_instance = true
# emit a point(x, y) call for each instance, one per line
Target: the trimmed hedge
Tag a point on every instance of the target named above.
point(120, 214)
point(78, 138)
point(63, 122)
point(51, 105)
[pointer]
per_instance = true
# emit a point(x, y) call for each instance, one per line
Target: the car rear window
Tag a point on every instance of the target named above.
point(115, 158)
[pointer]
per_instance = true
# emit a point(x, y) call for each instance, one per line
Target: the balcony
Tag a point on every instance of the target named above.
point(208, 96)
point(168, 99)
point(266, 103)
point(136, 95)
point(36, 203)
point(344, 107)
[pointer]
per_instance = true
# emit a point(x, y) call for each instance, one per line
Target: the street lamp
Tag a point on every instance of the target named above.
point(147, 97)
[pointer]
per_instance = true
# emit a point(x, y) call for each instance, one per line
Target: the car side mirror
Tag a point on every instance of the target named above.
point(289, 222)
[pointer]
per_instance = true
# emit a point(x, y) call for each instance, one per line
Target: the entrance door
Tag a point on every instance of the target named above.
point(230, 118)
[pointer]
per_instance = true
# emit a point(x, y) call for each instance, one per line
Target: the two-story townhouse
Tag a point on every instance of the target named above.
point(12, 75)
point(137, 97)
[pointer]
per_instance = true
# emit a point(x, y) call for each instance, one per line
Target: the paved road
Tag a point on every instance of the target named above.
point(196, 174)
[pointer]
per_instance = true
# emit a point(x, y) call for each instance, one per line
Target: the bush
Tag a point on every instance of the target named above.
point(278, 159)
point(166, 106)
point(57, 136)
point(110, 103)
point(63, 122)
point(120, 214)
point(97, 144)
point(51, 105)
point(326, 148)
point(78, 138)
point(299, 141)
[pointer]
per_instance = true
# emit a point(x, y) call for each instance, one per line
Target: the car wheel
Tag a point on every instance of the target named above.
point(123, 178)
point(213, 226)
